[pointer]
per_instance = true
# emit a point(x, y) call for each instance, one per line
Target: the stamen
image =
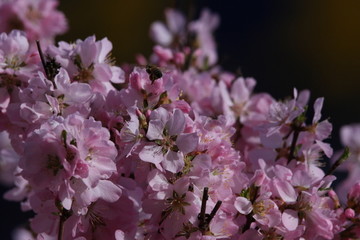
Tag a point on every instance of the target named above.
point(176, 203)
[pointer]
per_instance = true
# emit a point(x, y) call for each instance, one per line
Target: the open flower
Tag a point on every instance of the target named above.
point(38, 18)
point(170, 142)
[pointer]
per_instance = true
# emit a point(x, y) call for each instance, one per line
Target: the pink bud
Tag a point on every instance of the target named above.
point(354, 192)
point(259, 178)
point(187, 50)
point(332, 194)
point(349, 213)
point(140, 59)
point(139, 113)
point(334, 197)
point(164, 54)
point(179, 58)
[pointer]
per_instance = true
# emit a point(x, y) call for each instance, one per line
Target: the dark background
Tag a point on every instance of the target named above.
point(282, 44)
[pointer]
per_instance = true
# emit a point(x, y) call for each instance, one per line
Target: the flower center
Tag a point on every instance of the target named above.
point(84, 75)
point(54, 164)
point(8, 81)
point(238, 109)
point(262, 208)
point(14, 63)
point(95, 218)
point(176, 203)
point(33, 15)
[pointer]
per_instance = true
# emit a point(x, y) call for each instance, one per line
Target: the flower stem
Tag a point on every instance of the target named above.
point(345, 155)
point(42, 59)
point(293, 145)
point(213, 212)
point(61, 227)
point(249, 220)
point(201, 216)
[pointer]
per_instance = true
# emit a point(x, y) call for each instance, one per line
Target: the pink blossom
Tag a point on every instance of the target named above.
point(170, 205)
point(266, 212)
point(17, 64)
point(203, 93)
point(166, 129)
point(38, 18)
point(282, 113)
point(350, 137)
point(318, 220)
point(130, 135)
point(204, 27)
point(240, 103)
point(46, 158)
point(290, 219)
point(8, 160)
point(89, 62)
point(243, 205)
point(106, 219)
point(175, 28)
point(22, 234)
point(97, 152)
point(354, 193)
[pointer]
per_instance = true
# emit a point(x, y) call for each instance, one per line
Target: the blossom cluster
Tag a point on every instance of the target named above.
point(172, 147)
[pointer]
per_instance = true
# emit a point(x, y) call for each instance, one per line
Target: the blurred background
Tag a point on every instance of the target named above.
point(282, 44)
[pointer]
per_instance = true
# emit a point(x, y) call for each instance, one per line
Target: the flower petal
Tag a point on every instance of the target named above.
point(187, 142)
point(151, 153)
point(173, 161)
point(243, 205)
point(176, 123)
point(290, 219)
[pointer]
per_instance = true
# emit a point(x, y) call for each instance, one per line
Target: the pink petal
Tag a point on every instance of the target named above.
point(106, 190)
point(104, 47)
point(243, 205)
point(239, 92)
point(152, 153)
point(175, 20)
point(176, 123)
point(317, 109)
point(102, 72)
point(119, 235)
point(157, 181)
point(323, 130)
point(155, 130)
point(4, 98)
point(350, 136)
point(272, 141)
point(87, 51)
point(187, 142)
point(303, 98)
point(118, 75)
point(285, 191)
point(325, 147)
point(290, 219)
point(283, 173)
point(173, 161)
point(160, 34)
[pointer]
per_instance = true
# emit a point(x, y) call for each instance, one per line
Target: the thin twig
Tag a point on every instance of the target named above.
point(345, 155)
point(42, 59)
point(293, 145)
point(213, 212)
point(61, 227)
point(203, 207)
